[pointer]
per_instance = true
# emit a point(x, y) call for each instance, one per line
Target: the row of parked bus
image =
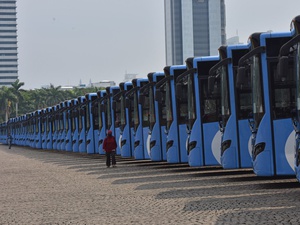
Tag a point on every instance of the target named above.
point(240, 109)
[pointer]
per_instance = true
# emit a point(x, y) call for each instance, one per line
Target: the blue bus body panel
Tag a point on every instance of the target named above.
point(96, 141)
point(50, 139)
point(125, 140)
point(263, 162)
point(75, 138)
point(54, 139)
point(245, 137)
point(196, 155)
point(138, 144)
point(44, 139)
point(145, 132)
point(154, 137)
point(69, 140)
point(90, 141)
point(212, 143)
point(173, 150)
point(102, 135)
point(63, 140)
point(182, 142)
point(284, 146)
point(118, 139)
point(230, 157)
point(82, 141)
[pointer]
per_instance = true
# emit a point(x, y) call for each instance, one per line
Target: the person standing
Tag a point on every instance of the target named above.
point(109, 146)
point(9, 140)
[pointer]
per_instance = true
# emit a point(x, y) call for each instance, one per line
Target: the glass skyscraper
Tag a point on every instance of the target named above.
point(193, 28)
point(8, 43)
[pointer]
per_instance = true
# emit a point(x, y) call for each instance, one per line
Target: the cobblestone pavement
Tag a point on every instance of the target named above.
point(52, 187)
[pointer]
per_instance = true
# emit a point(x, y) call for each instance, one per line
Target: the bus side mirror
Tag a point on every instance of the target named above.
point(141, 99)
point(211, 84)
point(241, 77)
point(158, 96)
point(283, 66)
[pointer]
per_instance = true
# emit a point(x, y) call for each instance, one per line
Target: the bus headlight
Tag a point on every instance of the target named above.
point(123, 142)
point(225, 145)
point(152, 143)
point(191, 146)
point(136, 143)
point(169, 144)
point(258, 148)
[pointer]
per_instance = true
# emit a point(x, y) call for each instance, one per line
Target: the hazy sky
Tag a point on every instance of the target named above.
point(65, 41)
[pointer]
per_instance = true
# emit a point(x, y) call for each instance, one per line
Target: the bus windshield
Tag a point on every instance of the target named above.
point(98, 117)
point(168, 109)
point(182, 103)
point(152, 119)
point(108, 113)
point(191, 107)
point(257, 91)
point(136, 119)
point(87, 117)
point(122, 112)
point(225, 98)
point(210, 106)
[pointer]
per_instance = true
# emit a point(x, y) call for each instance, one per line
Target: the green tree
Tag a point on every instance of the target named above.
point(16, 89)
point(7, 97)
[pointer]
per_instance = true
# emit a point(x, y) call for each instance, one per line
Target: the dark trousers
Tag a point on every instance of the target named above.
point(113, 158)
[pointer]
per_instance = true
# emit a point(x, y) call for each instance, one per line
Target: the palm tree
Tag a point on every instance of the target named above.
point(7, 97)
point(17, 91)
point(53, 95)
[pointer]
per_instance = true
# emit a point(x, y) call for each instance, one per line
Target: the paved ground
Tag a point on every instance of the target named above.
point(51, 187)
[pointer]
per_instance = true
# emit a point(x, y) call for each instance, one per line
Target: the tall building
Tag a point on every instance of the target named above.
point(193, 28)
point(8, 42)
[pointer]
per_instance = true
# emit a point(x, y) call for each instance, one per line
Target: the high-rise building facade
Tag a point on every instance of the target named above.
point(8, 42)
point(193, 28)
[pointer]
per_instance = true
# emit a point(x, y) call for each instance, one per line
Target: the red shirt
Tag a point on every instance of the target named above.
point(109, 143)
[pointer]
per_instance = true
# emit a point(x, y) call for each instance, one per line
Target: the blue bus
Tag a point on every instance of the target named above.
point(138, 119)
point(273, 95)
point(74, 114)
point(91, 131)
point(43, 128)
point(156, 142)
point(68, 126)
point(54, 127)
point(64, 124)
point(81, 107)
point(112, 114)
point(175, 116)
point(202, 111)
point(126, 134)
point(38, 130)
point(236, 106)
point(289, 62)
point(101, 121)
point(49, 128)
point(61, 127)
